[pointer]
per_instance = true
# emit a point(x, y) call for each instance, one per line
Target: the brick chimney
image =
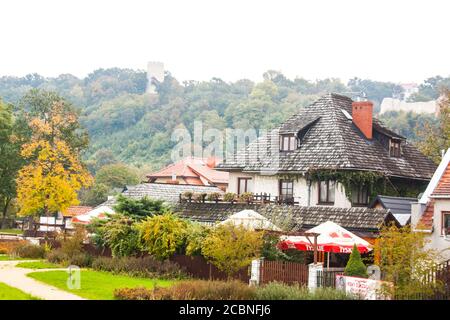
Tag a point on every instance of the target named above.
point(362, 116)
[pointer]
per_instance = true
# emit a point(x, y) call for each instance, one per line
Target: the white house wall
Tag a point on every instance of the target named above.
point(438, 241)
point(270, 185)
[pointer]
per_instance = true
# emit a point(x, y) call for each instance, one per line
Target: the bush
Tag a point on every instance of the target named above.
point(139, 293)
point(161, 236)
point(231, 248)
point(27, 250)
point(280, 291)
point(214, 196)
point(246, 197)
point(59, 256)
point(146, 267)
point(7, 247)
point(229, 197)
point(191, 290)
point(355, 267)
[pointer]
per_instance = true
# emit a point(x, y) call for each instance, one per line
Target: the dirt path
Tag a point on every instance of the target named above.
point(17, 278)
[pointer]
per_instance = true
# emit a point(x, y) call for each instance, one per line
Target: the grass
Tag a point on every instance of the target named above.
point(41, 264)
point(96, 285)
point(11, 231)
point(10, 293)
point(5, 257)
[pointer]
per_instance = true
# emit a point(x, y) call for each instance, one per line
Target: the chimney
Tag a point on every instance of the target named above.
point(362, 116)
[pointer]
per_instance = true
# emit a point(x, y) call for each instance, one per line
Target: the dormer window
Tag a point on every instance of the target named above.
point(288, 142)
point(395, 148)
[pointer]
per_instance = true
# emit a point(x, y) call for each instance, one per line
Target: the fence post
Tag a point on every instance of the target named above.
point(256, 272)
point(313, 269)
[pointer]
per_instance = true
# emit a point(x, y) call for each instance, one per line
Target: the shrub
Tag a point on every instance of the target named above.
point(192, 290)
point(229, 197)
point(355, 267)
point(280, 291)
point(139, 293)
point(214, 196)
point(120, 234)
point(146, 267)
point(162, 235)
point(246, 197)
point(138, 209)
point(80, 259)
point(7, 247)
point(187, 195)
point(196, 235)
point(199, 197)
point(27, 250)
point(231, 248)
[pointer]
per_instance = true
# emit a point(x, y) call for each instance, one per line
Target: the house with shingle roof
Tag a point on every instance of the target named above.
point(400, 207)
point(431, 214)
point(331, 153)
point(364, 222)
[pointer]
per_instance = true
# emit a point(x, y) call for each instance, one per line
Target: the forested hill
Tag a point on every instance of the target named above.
point(126, 123)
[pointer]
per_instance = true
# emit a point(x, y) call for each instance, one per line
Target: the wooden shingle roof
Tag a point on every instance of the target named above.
point(332, 142)
point(353, 219)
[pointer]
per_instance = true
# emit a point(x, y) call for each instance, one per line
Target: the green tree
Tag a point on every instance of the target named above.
point(116, 176)
point(162, 235)
point(355, 266)
point(231, 248)
point(10, 159)
point(94, 195)
point(434, 139)
point(140, 208)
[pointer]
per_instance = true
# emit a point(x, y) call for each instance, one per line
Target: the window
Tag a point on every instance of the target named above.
point(360, 195)
point(286, 191)
point(446, 223)
point(288, 143)
point(395, 148)
point(326, 192)
point(244, 185)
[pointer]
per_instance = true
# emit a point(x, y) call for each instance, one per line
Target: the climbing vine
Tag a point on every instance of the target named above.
point(376, 183)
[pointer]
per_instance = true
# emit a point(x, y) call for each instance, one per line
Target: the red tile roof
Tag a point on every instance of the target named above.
point(77, 210)
point(443, 187)
point(426, 221)
point(194, 171)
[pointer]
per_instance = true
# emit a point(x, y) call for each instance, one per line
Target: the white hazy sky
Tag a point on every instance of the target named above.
point(389, 40)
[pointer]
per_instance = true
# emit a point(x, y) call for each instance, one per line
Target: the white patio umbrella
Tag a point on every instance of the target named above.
point(100, 212)
point(252, 220)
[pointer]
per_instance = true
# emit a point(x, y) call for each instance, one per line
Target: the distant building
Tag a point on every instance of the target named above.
point(192, 171)
point(155, 74)
point(409, 89)
point(391, 104)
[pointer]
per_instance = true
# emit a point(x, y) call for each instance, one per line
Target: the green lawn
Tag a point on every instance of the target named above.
point(96, 285)
point(41, 264)
point(5, 257)
point(10, 293)
point(11, 231)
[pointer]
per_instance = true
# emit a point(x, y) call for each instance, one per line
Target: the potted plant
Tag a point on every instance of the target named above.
point(229, 197)
point(214, 196)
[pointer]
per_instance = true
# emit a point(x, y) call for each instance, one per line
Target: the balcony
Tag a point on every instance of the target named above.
point(248, 198)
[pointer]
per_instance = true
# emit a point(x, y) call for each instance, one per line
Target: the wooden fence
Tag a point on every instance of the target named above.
point(283, 271)
point(199, 268)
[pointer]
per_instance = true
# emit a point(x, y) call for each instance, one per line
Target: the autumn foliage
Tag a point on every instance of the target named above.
point(54, 173)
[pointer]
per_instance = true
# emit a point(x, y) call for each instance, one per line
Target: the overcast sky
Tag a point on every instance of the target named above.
point(398, 41)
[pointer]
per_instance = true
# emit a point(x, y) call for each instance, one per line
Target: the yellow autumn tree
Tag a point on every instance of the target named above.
point(54, 173)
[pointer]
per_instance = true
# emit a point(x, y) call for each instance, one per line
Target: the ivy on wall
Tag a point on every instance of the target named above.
point(377, 183)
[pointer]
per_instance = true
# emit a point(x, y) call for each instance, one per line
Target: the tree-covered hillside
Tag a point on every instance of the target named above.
point(126, 124)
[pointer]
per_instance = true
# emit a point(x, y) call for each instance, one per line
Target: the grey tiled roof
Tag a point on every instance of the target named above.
point(398, 206)
point(168, 192)
point(353, 219)
point(332, 142)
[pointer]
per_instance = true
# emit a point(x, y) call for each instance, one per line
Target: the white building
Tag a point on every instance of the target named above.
point(334, 134)
point(432, 213)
